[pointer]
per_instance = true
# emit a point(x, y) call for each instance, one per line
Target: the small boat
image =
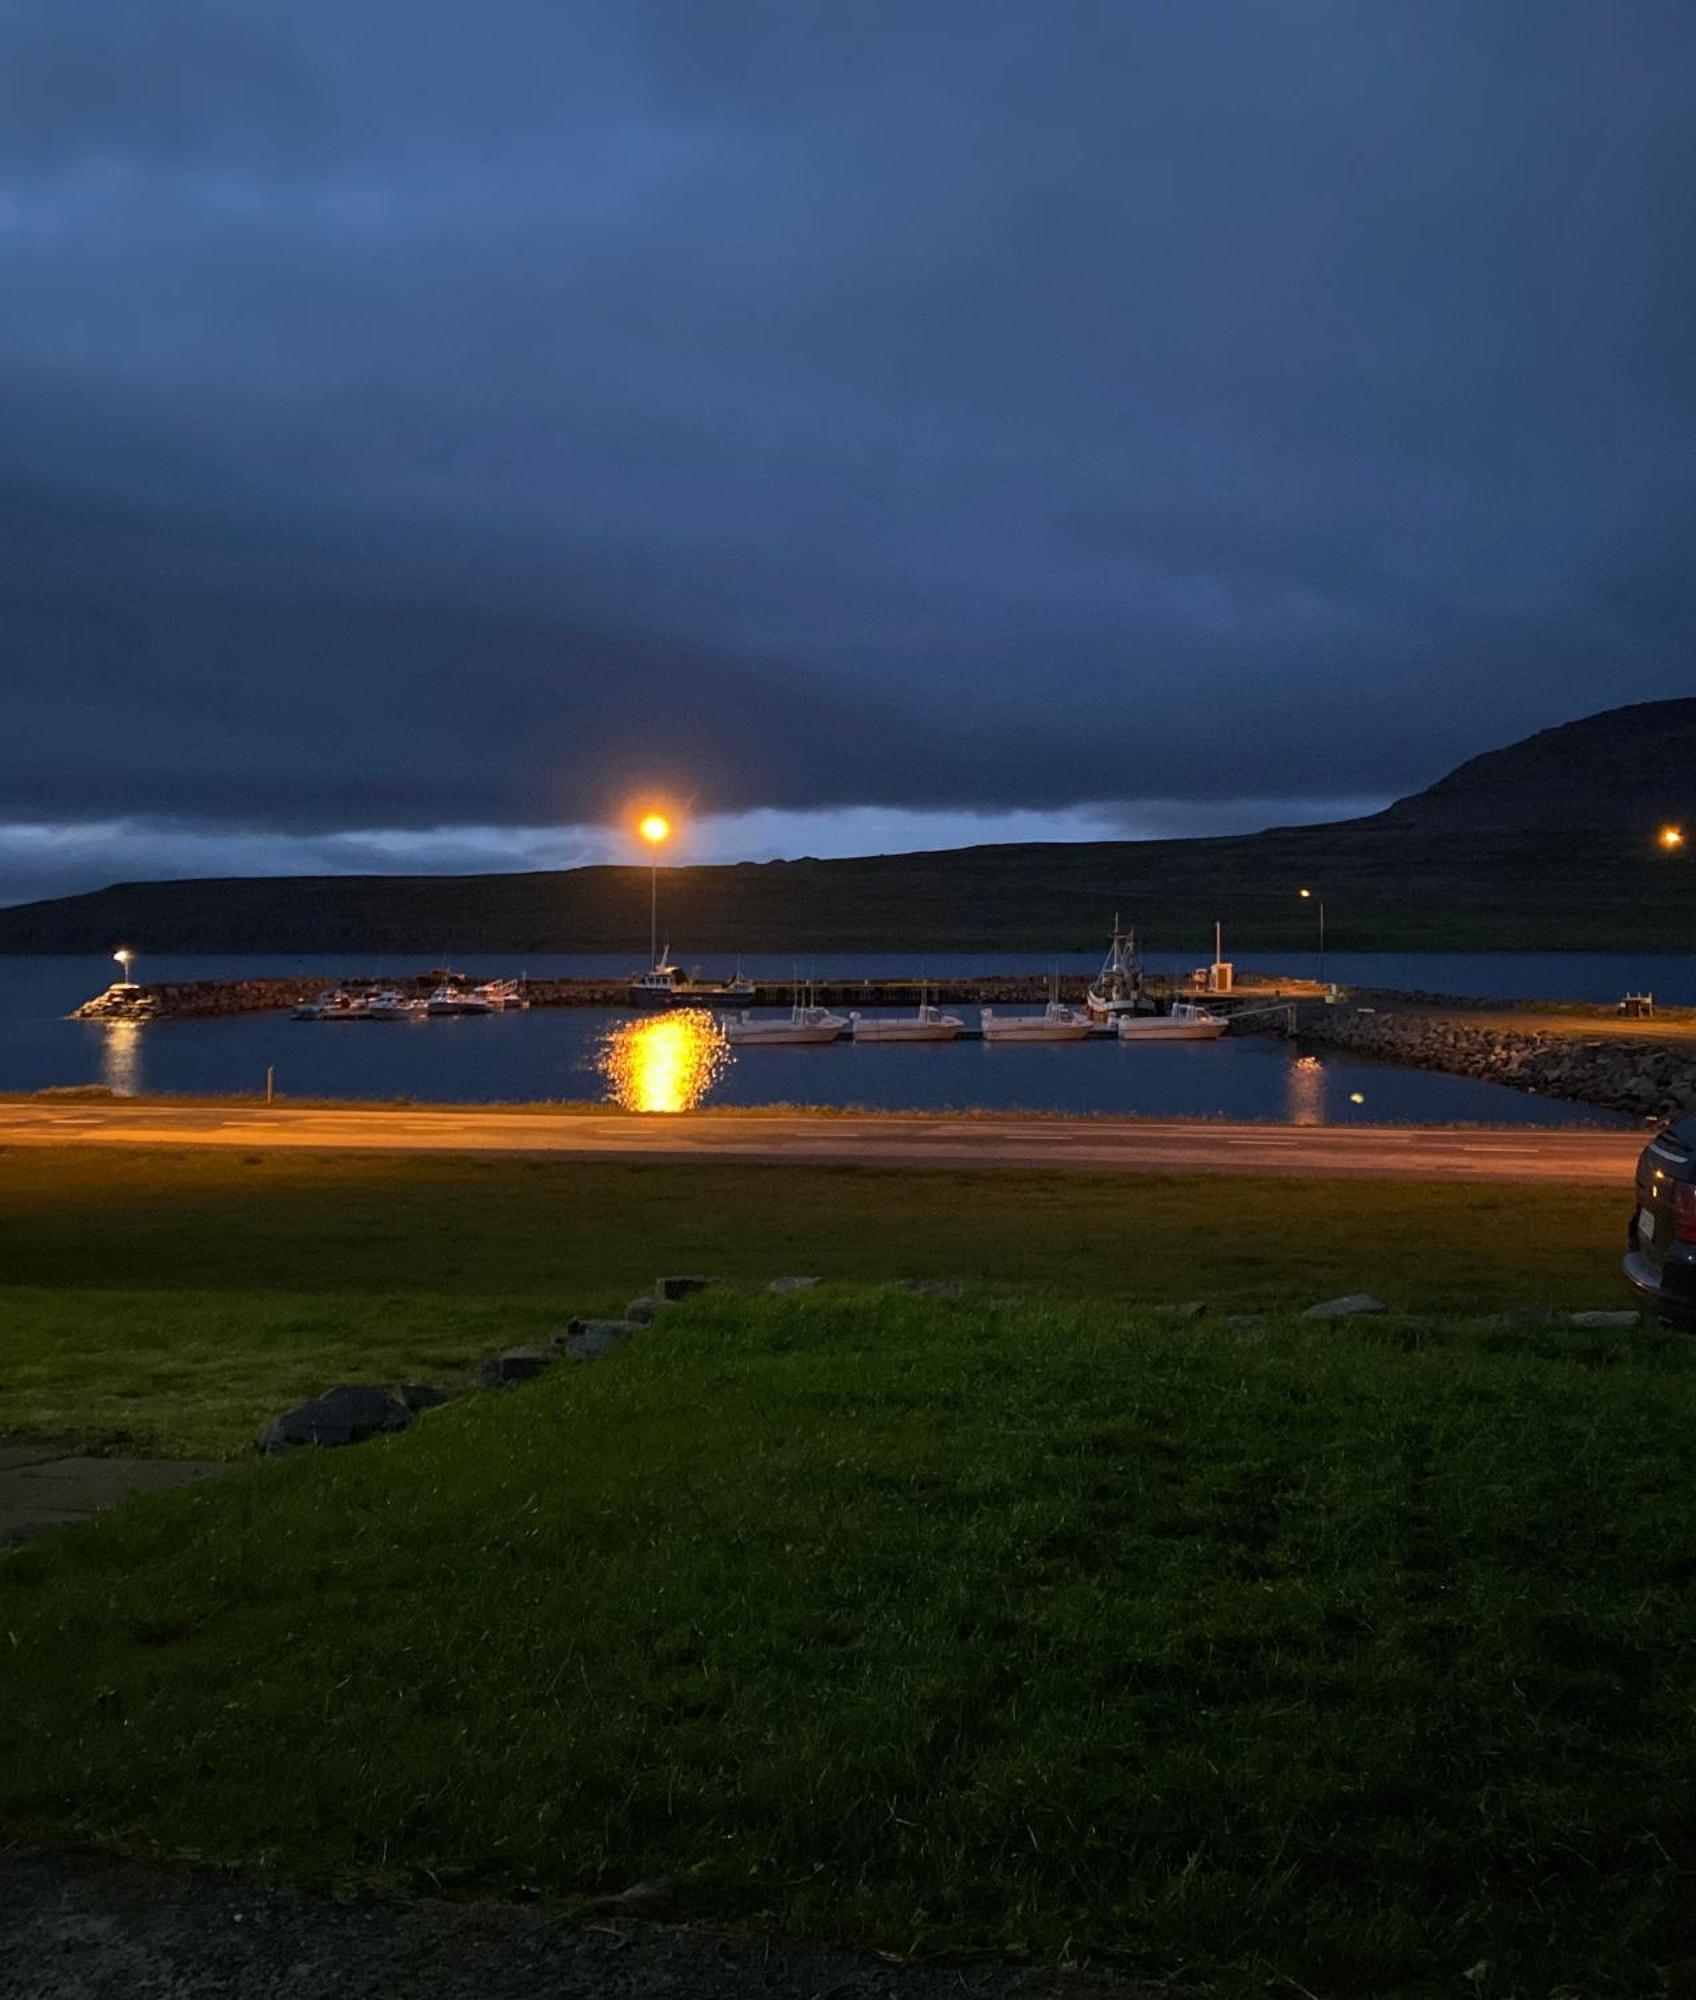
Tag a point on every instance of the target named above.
point(389, 1004)
point(333, 1006)
point(665, 985)
point(451, 999)
point(930, 1024)
point(1117, 989)
point(1186, 1023)
point(1056, 1023)
point(805, 1025)
point(501, 996)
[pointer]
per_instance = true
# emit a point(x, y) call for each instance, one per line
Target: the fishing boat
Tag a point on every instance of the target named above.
point(666, 985)
point(929, 1024)
point(1187, 1022)
point(1056, 1023)
point(1117, 989)
point(806, 1024)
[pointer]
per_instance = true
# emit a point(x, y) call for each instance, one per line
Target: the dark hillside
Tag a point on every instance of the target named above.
point(1548, 843)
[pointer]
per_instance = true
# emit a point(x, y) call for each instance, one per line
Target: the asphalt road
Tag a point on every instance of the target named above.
point(1096, 1145)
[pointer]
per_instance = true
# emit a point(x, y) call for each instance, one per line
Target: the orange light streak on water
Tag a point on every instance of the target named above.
point(665, 1064)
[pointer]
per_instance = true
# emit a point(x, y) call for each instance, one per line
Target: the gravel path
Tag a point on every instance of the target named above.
point(88, 1928)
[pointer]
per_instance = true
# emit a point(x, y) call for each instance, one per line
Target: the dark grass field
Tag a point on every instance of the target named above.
point(166, 1301)
point(1324, 1659)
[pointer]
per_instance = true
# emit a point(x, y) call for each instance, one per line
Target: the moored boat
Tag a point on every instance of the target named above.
point(1117, 990)
point(1056, 1023)
point(1186, 1023)
point(451, 999)
point(930, 1024)
point(666, 985)
point(804, 1025)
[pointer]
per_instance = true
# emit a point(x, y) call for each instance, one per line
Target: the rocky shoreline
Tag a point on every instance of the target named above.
point(1638, 1074)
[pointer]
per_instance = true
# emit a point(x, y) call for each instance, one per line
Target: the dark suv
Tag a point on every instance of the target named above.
point(1660, 1258)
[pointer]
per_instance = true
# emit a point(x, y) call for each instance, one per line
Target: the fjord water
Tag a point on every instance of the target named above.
point(578, 1054)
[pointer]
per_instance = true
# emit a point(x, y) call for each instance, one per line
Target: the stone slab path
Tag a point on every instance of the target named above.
point(78, 1927)
point(43, 1487)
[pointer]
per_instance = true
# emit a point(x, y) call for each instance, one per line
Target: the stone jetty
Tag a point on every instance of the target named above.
point(1645, 1069)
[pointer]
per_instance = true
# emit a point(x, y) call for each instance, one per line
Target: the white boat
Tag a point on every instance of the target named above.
point(804, 1025)
point(929, 1024)
point(332, 1006)
point(1056, 1023)
point(451, 999)
point(1117, 989)
point(501, 996)
point(388, 1004)
point(1186, 1023)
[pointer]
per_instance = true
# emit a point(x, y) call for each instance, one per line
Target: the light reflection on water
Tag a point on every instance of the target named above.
point(120, 1057)
point(1304, 1096)
point(666, 1063)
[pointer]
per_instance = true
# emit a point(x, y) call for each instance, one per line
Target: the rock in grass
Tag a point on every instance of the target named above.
point(670, 1290)
point(1190, 1309)
point(1605, 1319)
point(933, 1288)
point(347, 1414)
point(644, 1311)
point(654, 1900)
point(422, 1395)
point(1241, 1322)
point(1353, 1305)
point(589, 1339)
point(781, 1286)
point(517, 1364)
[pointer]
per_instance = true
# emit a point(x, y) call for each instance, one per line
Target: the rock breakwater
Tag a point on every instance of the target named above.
point(1637, 1074)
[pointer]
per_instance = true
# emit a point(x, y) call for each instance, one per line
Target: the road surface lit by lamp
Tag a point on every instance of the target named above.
point(667, 1064)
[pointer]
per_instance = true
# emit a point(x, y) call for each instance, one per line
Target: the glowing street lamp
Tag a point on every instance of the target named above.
point(126, 958)
point(655, 829)
point(1671, 838)
point(1308, 896)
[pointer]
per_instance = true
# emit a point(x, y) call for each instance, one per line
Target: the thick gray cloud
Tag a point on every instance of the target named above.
point(456, 416)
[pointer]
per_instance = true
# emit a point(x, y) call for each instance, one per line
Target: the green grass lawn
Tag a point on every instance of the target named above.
point(167, 1301)
point(1325, 1658)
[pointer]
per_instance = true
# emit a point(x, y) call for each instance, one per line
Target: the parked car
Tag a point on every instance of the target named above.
point(1660, 1257)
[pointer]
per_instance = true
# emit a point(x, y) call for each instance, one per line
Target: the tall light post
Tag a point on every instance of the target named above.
point(655, 829)
point(1308, 896)
point(126, 958)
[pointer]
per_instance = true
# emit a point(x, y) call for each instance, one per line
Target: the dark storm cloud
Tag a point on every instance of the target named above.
point(466, 416)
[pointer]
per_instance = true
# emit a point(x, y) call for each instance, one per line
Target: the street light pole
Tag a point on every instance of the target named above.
point(655, 829)
point(1308, 896)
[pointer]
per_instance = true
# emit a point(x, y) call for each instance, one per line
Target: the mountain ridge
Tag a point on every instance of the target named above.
point(1542, 843)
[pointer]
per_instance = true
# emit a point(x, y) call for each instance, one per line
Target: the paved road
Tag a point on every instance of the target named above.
point(1099, 1145)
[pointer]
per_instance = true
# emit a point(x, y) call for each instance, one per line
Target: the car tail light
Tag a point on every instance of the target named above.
point(1684, 1211)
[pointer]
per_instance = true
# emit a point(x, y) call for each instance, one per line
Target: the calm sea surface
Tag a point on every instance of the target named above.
point(611, 1055)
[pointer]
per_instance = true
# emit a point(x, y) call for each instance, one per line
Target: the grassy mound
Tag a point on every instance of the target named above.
point(167, 1301)
point(1352, 1656)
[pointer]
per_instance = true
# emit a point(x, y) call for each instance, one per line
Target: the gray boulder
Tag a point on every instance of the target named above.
point(1189, 1309)
point(1353, 1305)
point(781, 1286)
point(933, 1288)
point(644, 1311)
point(517, 1364)
point(670, 1290)
point(589, 1339)
point(1605, 1319)
point(348, 1414)
point(422, 1395)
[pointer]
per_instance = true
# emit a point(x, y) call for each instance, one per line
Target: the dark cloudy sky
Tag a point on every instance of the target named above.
point(424, 428)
